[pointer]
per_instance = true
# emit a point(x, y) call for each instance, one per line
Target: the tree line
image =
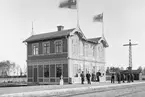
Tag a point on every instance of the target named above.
point(8, 68)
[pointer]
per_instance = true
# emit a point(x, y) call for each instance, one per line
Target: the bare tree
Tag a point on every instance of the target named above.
point(18, 70)
point(25, 70)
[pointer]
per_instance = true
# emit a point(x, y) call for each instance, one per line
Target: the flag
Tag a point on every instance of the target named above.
point(71, 4)
point(98, 18)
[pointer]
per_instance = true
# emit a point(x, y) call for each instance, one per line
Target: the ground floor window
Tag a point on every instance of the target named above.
point(49, 72)
point(40, 70)
point(58, 70)
point(46, 70)
point(30, 70)
point(75, 70)
point(65, 70)
point(52, 70)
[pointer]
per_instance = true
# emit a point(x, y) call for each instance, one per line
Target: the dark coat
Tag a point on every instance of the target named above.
point(88, 75)
point(112, 76)
point(98, 74)
point(82, 76)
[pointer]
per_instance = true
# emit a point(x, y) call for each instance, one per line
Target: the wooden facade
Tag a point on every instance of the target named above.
point(66, 53)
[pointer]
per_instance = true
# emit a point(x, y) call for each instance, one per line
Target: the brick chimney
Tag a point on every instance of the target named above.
point(60, 28)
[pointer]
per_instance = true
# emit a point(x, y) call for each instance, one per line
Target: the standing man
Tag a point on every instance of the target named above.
point(128, 77)
point(82, 77)
point(112, 78)
point(132, 75)
point(98, 74)
point(88, 77)
point(118, 77)
point(93, 77)
point(123, 78)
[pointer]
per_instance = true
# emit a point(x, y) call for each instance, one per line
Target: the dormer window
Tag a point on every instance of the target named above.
point(46, 47)
point(58, 46)
point(35, 49)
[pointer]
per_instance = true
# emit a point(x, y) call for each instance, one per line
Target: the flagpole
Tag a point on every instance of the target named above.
point(32, 29)
point(77, 14)
point(102, 26)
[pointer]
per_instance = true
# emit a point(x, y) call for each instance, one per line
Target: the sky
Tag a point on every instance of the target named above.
point(123, 20)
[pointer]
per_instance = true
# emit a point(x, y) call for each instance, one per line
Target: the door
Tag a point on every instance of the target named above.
point(35, 74)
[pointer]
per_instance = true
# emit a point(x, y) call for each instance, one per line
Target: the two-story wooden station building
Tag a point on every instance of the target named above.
point(64, 52)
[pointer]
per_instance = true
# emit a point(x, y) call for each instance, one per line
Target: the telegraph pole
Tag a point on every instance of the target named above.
point(130, 53)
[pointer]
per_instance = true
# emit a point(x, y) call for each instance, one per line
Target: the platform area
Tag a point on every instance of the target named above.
point(54, 90)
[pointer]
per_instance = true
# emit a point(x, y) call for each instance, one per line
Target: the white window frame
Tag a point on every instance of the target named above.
point(94, 51)
point(47, 50)
point(57, 48)
point(75, 70)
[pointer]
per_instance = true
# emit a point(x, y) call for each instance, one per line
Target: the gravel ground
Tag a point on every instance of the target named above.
point(102, 89)
point(9, 90)
point(130, 91)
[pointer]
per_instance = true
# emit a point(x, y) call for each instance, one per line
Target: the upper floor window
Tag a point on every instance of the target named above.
point(46, 48)
point(58, 46)
point(86, 49)
point(35, 48)
point(94, 50)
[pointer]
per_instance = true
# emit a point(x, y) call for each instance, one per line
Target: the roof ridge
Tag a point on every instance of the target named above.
point(94, 37)
point(53, 34)
point(53, 31)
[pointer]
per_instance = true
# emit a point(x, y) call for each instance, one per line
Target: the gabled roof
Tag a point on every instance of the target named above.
point(62, 33)
point(96, 40)
point(49, 35)
point(104, 41)
point(79, 32)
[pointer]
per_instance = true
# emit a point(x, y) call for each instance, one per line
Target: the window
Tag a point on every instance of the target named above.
point(86, 49)
point(75, 70)
point(75, 45)
point(40, 69)
point(58, 46)
point(46, 70)
point(30, 71)
point(35, 49)
point(91, 50)
point(100, 49)
point(81, 48)
point(65, 70)
point(46, 48)
point(58, 70)
point(52, 70)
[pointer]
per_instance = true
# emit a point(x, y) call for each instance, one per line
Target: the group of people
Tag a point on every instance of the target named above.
point(90, 77)
point(129, 77)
